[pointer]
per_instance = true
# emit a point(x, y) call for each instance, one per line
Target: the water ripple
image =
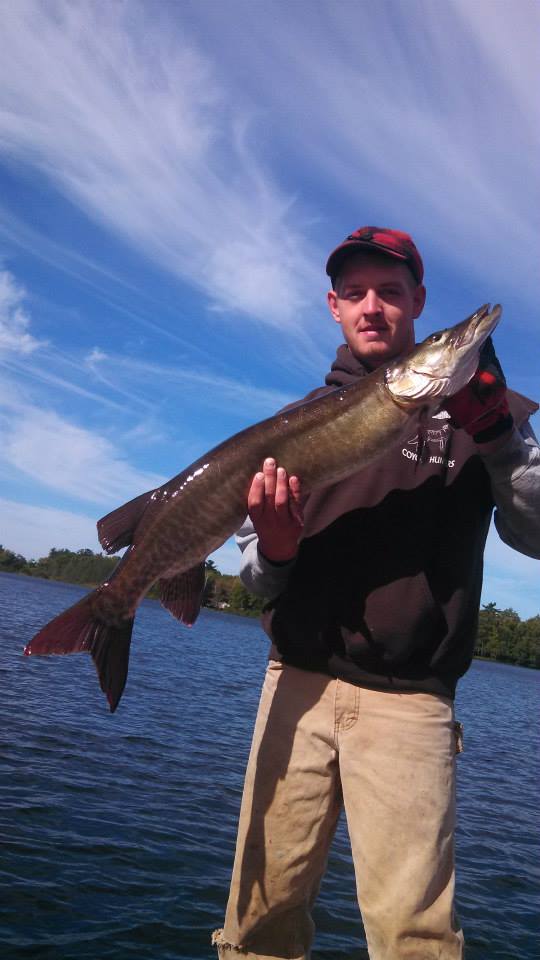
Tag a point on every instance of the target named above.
point(118, 832)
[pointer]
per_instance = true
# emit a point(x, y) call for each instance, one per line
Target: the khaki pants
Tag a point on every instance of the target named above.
point(389, 758)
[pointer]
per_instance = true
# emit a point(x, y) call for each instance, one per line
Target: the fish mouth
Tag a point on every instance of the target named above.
point(447, 362)
point(476, 328)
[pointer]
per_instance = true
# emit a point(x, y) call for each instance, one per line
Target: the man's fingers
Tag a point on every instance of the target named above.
point(296, 505)
point(256, 495)
point(294, 489)
point(273, 493)
point(262, 492)
point(270, 480)
point(282, 491)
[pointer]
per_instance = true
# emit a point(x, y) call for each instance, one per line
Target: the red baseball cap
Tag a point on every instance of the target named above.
point(393, 243)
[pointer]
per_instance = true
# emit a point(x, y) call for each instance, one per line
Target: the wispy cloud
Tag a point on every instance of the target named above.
point(64, 457)
point(165, 128)
point(42, 373)
point(421, 113)
point(124, 297)
point(32, 530)
point(233, 159)
point(207, 387)
point(18, 347)
point(141, 135)
point(14, 320)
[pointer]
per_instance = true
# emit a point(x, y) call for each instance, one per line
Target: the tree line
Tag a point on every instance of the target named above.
point(502, 635)
point(222, 591)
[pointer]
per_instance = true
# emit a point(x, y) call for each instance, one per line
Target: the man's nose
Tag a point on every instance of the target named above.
point(372, 303)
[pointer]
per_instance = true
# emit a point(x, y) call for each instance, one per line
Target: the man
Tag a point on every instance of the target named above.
point(374, 585)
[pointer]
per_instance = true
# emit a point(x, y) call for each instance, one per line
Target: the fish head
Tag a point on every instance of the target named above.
point(444, 362)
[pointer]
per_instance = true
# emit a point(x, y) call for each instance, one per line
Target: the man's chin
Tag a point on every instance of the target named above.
point(371, 354)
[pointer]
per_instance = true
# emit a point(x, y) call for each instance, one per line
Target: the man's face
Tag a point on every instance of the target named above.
point(376, 303)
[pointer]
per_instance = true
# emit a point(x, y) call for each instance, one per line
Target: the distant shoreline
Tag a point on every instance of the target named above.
point(489, 611)
point(92, 586)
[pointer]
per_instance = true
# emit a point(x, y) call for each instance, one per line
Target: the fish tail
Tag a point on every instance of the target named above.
point(80, 629)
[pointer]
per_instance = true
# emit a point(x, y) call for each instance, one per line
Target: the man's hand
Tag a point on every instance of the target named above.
point(275, 508)
point(481, 407)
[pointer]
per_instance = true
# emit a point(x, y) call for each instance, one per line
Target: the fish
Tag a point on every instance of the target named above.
point(170, 531)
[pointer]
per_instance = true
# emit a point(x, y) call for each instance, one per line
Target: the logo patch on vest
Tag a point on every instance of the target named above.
point(432, 445)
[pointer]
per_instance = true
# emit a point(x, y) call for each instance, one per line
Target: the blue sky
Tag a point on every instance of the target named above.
point(172, 178)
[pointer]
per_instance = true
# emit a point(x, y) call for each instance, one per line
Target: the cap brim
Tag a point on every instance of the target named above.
point(347, 250)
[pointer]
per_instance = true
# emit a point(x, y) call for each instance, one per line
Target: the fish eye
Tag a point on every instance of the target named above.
point(434, 337)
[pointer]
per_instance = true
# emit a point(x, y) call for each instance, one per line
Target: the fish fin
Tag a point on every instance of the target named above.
point(182, 594)
point(78, 629)
point(116, 529)
point(110, 653)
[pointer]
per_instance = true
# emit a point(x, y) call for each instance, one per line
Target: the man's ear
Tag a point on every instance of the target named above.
point(419, 300)
point(332, 300)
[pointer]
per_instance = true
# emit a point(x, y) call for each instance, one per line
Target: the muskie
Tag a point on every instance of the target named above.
point(170, 531)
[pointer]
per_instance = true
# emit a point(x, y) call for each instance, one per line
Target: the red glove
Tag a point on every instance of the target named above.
point(481, 407)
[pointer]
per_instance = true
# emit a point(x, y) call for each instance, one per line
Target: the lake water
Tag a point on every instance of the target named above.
point(118, 831)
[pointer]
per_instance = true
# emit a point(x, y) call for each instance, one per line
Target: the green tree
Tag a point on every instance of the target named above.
point(242, 601)
point(502, 636)
point(508, 629)
point(11, 562)
point(82, 566)
point(486, 638)
point(527, 647)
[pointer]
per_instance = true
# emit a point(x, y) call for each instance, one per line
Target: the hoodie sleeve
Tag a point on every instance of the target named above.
point(514, 472)
point(259, 575)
